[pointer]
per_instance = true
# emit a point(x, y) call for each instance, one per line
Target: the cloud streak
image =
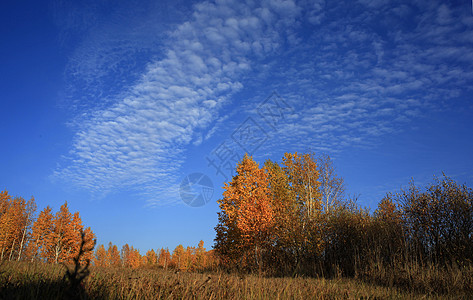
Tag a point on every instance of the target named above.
point(353, 72)
point(138, 140)
point(365, 72)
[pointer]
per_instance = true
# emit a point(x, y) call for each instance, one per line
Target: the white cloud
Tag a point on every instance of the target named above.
point(361, 76)
point(351, 78)
point(137, 140)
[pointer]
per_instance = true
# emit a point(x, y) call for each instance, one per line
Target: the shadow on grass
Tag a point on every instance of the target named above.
point(16, 284)
point(41, 289)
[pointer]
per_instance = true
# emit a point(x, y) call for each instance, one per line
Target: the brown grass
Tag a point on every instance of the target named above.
point(21, 280)
point(428, 279)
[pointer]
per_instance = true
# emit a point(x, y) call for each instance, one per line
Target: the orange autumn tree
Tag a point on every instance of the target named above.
point(287, 225)
point(113, 255)
point(178, 259)
point(151, 258)
point(134, 258)
point(89, 245)
point(5, 226)
point(272, 215)
point(189, 259)
point(63, 237)
point(200, 259)
point(246, 218)
point(57, 238)
point(76, 237)
point(164, 258)
point(26, 222)
point(100, 259)
point(42, 228)
point(16, 217)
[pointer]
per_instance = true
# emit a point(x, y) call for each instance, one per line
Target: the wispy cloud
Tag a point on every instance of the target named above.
point(137, 140)
point(368, 71)
point(352, 72)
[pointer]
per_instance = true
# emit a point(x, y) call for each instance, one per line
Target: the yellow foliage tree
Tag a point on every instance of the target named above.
point(113, 256)
point(151, 258)
point(246, 212)
point(164, 258)
point(101, 257)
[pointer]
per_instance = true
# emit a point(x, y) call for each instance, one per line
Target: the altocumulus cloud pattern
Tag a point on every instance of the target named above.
point(143, 88)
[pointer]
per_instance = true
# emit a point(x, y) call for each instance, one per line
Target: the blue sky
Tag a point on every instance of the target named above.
point(111, 104)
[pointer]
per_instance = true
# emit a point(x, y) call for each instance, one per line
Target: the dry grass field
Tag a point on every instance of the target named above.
point(20, 280)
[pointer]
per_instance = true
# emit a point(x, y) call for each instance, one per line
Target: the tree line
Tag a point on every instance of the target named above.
point(285, 218)
point(293, 218)
point(51, 237)
point(182, 259)
point(56, 238)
